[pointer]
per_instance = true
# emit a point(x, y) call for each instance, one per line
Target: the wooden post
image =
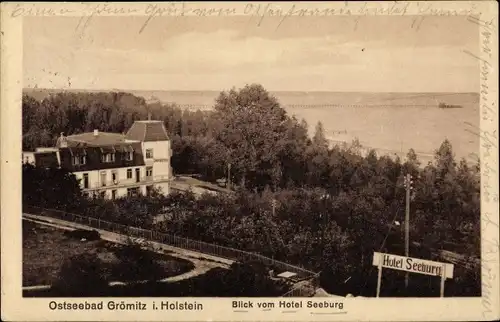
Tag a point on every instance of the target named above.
point(379, 279)
point(407, 224)
point(443, 279)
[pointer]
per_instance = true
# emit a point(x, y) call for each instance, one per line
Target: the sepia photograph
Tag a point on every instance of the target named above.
point(208, 157)
point(307, 157)
point(218, 158)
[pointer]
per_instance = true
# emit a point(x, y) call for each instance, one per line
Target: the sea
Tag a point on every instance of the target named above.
point(390, 123)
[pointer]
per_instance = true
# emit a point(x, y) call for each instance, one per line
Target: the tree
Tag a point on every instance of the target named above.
point(51, 188)
point(445, 159)
point(250, 125)
point(412, 164)
point(319, 139)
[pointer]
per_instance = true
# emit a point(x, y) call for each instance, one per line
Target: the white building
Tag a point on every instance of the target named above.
point(113, 165)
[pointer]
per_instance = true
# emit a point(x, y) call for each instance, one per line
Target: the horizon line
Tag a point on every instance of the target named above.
point(224, 90)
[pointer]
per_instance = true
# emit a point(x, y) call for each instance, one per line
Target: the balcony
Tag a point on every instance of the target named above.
point(122, 183)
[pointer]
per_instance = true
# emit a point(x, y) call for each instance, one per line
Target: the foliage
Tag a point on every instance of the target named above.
point(81, 275)
point(50, 188)
point(136, 262)
point(252, 279)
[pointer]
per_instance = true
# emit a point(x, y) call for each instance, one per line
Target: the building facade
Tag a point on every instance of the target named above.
point(113, 165)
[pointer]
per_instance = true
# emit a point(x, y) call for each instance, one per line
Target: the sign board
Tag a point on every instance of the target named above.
point(413, 265)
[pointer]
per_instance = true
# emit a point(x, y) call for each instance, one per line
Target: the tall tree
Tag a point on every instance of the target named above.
point(319, 138)
point(251, 127)
point(445, 159)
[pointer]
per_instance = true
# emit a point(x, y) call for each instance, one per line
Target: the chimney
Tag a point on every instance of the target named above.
point(96, 132)
point(63, 143)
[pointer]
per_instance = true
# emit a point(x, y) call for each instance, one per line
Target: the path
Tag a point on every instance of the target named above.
point(202, 262)
point(121, 239)
point(199, 270)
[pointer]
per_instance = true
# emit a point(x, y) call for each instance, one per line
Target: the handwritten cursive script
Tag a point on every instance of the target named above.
point(489, 143)
point(258, 10)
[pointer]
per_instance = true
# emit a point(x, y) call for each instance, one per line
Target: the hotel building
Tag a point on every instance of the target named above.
point(113, 165)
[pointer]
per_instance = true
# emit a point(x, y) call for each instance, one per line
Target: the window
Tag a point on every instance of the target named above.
point(114, 177)
point(129, 156)
point(113, 194)
point(103, 178)
point(149, 171)
point(129, 173)
point(108, 157)
point(149, 153)
point(137, 174)
point(149, 189)
point(79, 160)
point(102, 194)
point(85, 181)
point(132, 192)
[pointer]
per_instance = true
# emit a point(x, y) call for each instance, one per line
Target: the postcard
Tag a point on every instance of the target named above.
point(243, 161)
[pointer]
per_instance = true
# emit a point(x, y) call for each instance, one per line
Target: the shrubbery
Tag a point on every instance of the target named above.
point(136, 263)
point(83, 234)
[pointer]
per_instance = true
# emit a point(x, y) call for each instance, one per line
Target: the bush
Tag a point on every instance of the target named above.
point(81, 275)
point(252, 279)
point(83, 234)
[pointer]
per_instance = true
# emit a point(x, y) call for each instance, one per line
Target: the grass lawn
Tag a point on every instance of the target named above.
point(45, 249)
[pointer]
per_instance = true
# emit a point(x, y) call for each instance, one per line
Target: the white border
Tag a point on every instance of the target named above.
point(14, 307)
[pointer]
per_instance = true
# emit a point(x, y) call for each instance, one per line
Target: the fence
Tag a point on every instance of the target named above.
point(176, 241)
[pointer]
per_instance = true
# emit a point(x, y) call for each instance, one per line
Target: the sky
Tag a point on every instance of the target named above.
point(340, 53)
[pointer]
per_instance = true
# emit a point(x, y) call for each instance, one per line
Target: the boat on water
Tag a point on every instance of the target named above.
point(444, 105)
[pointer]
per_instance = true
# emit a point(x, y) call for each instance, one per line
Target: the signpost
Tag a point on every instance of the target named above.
point(412, 265)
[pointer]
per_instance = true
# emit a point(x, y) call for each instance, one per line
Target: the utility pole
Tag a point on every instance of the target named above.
point(408, 185)
point(229, 176)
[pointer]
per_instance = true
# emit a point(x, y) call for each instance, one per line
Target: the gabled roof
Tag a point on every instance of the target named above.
point(146, 131)
point(90, 139)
